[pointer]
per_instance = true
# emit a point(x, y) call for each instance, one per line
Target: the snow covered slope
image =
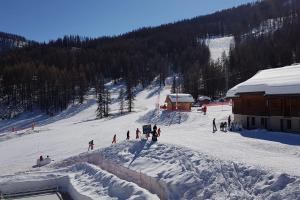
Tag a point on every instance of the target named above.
point(193, 162)
point(219, 45)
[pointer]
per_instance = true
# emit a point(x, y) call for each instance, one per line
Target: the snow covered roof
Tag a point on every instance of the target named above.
point(182, 98)
point(284, 80)
point(202, 98)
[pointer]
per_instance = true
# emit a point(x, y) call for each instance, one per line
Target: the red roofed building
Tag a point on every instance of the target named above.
point(183, 102)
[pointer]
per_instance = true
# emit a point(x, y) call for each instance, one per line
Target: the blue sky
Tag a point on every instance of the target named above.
point(42, 20)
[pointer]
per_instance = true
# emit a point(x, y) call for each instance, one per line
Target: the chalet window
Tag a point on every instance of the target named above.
point(289, 124)
point(253, 121)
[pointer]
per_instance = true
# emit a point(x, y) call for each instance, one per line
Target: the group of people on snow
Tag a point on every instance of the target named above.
point(223, 125)
point(155, 134)
point(42, 158)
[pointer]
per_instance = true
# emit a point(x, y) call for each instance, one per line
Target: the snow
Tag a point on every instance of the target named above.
point(284, 80)
point(182, 98)
point(202, 98)
point(189, 160)
point(218, 45)
point(268, 26)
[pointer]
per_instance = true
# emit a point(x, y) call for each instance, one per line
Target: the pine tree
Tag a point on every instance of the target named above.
point(130, 96)
point(121, 99)
point(101, 106)
point(173, 90)
point(101, 110)
point(107, 101)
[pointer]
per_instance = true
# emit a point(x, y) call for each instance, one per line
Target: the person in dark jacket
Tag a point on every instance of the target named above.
point(91, 145)
point(114, 141)
point(154, 127)
point(214, 125)
point(154, 136)
point(128, 136)
point(229, 121)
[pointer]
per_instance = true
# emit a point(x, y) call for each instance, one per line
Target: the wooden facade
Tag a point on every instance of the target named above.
point(260, 105)
point(276, 112)
point(182, 106)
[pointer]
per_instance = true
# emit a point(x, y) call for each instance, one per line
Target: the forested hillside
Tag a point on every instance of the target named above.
point(10, 41)
point(51, 75)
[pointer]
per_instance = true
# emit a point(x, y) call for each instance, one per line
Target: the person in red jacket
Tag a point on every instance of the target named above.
point(204, 109)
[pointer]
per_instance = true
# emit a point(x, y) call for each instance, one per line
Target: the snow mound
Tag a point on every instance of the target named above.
point(96, 183)
point(190, 175)
point(82, 181)
point(164, 117)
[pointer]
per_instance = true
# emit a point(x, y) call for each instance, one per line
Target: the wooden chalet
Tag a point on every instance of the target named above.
point(269, 100)
point(183, 101)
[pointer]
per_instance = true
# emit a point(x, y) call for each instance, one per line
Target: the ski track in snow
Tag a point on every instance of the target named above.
point(193, 162)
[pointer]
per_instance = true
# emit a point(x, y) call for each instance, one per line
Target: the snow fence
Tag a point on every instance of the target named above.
point(149, 183)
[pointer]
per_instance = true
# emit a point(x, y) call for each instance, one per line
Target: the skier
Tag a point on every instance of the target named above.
point(114, 141)
point(204, 109)
point(137, 132)
point(41, 158)
point(158, 132)
point(91, 145)
point(229, 122)
point(33, 125)
point(128, 136)
point(214, 125)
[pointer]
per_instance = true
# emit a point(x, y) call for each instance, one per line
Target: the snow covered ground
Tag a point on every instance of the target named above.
point(189, 160)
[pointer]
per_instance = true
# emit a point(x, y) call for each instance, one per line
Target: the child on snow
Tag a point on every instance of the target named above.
point(127, 135)
point(91, 145)
point(158, 132)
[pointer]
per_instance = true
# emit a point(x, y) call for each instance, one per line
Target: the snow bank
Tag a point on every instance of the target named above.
point(28, 183)
point(189, 174)
point(163, 117)
point(96, 183)
point(140, 179)
point(82, 181)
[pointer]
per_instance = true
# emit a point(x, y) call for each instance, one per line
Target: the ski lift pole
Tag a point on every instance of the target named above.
point(177, 99)
point(158, 99)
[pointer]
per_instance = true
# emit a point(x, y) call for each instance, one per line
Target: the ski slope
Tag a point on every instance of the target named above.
point(189, 159)
point(219, 45)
